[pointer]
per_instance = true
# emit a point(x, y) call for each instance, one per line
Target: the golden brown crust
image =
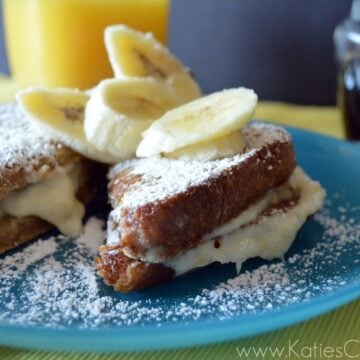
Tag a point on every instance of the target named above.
point(201, 208)
point(126, 274)
point(16, 231)
point(16, 177)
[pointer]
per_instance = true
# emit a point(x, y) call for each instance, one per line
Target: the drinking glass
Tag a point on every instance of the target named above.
point(56, 43)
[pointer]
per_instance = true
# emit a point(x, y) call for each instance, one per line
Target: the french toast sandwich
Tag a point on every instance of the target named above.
point(171, 216)
point(42, 182)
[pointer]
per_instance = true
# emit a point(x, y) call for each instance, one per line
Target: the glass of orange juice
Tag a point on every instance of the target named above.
point(61, 42)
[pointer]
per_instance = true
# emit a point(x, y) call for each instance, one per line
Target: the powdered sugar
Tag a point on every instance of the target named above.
point(162, 178)
point(92, 236)
point(61, 285)
point(53, 282)
point(15, 265)
point(22, 143)
point(265, 134)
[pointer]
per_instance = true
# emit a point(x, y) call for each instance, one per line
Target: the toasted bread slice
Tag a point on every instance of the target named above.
point(17, 231)
point(164, 207)
point(28, 157)
point(268, 234)
point(126, 274)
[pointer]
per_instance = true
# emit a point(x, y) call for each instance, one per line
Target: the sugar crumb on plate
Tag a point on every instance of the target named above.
point(53, 282)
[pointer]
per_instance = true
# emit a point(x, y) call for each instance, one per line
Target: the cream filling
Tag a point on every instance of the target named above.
point(53, 200)
point(253, 211)
point(245, 217)
point(268, 238)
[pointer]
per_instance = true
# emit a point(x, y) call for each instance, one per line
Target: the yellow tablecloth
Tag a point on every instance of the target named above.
point(8, 88)
point(339, 329)
point(322, 119)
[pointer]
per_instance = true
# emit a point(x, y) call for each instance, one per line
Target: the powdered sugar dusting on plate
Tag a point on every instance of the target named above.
point(53, 282)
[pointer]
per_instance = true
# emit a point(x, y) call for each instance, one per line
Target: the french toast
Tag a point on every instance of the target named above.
point(29, 158)
point(193, 184)
point(171, 216)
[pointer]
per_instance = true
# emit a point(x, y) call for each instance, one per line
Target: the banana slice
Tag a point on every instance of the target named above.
point(119, 110)
point(218, 148)
point(204, 119)
point(133, 53)
point(60, 114)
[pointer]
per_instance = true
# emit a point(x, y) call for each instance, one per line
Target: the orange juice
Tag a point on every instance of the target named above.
point(60, 42)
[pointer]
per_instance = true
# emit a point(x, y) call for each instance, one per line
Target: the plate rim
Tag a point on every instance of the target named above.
point(200, 333)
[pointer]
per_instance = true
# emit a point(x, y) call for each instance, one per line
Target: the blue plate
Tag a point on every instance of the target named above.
point(321, 271)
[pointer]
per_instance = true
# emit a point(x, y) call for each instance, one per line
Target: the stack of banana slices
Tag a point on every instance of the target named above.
point(152, 107)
